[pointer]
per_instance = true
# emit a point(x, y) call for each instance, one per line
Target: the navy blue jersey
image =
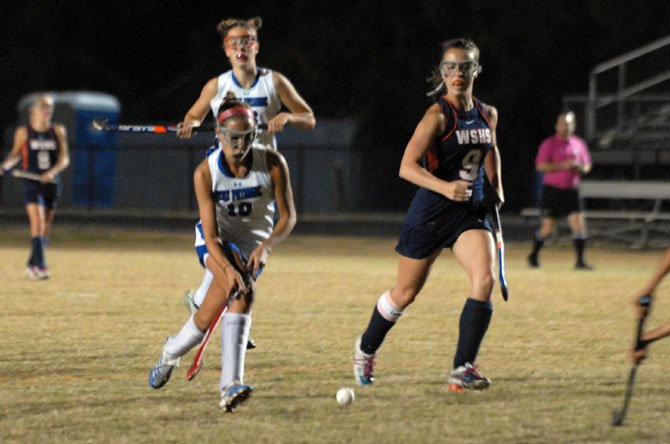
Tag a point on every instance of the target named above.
point(41, 150)
point(433, 221)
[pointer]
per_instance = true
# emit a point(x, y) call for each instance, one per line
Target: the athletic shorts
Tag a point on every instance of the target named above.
point(422, 240)
point(558, 203)
point(43, 194)
point(229, 249)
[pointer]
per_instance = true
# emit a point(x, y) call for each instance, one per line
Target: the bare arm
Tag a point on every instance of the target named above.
point(225, 274)
point(430, 126)
point(196, 114)
point(492, 164)
point(284, 201)
point(63, 155)
point(300, 114)
point(14, 156)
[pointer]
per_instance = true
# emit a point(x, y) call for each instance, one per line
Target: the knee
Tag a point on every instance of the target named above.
point(482, 284)
point(404, 296)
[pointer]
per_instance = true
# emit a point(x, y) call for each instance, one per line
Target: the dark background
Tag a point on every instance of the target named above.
point(367, 59)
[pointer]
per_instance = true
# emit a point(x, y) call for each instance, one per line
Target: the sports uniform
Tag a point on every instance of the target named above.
point(451, 143)
point(261, 96)
point(38, 155)
point(433, 221)
point(263, 99)
point(244, 206)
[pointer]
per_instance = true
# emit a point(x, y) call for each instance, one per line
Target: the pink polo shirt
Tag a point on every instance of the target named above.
point(554, 150)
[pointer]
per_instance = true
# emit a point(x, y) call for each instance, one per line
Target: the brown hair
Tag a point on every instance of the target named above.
point(435, 78)
point(225, 25)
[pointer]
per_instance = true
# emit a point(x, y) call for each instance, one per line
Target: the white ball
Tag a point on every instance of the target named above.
point(345, 396)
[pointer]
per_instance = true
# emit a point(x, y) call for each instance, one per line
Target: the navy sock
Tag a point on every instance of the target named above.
point(579, 243)
point(37, 256)
point(375, 333)
point(474, 322)
point(537, 245)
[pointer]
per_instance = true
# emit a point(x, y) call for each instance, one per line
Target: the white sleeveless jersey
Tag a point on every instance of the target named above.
point(245, 205)
point(261, 96)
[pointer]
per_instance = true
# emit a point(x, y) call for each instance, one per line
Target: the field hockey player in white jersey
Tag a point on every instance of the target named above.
point(271, 95)
point(266, 91)
point(238, 186)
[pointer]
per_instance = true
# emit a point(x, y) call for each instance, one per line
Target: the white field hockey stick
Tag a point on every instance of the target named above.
point(500, 244)
point(102, 124)
point(27, 175)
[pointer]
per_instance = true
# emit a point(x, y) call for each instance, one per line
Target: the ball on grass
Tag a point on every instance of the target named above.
point(345, 396)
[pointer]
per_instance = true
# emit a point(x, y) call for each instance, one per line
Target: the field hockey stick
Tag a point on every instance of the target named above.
point(102, 124)
point(27, 175)
point(618, 415)
point(199, 358)
point(497, 231)
point(500, 244)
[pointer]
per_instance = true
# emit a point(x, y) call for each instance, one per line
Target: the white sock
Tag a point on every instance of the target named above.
point(188, 337)
point(388, 309)
point(234, 335)
point(201, 292)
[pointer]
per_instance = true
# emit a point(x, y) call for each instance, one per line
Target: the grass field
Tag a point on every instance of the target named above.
point(75, 350)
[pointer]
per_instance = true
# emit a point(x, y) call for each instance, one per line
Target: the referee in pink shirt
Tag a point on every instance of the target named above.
point(563, 159)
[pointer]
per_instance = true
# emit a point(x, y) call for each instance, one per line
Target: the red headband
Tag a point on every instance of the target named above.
point(237, 111)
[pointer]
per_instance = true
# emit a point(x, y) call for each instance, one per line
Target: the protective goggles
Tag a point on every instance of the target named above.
point(233, 137)
point(240, 41)
point(467, 68)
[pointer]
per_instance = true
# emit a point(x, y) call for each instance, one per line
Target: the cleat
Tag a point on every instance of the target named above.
point(364, 365)
point(36, 273)
point(43, 272)
point(467, 377)
point(160, 374)
point(189, 303)
point(234, 395)
point(583, 266)
point(533, 261)
point(251, 344)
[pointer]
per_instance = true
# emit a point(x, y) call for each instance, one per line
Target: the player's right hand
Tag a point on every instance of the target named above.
point(184, 130)
point(238, 287)
point(458, 190)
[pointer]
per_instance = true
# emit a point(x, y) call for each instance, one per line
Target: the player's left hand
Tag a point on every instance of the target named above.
point(277, 123)
point(258, 259)
point(47, 177)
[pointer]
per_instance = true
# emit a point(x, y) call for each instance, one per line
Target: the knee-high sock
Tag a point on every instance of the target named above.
point(37, 252)
point(473, 324)
point(188, 337)
point(538, 242)
point(234, 335)
point(201, 292)
point(580, 244)
point(384, 317)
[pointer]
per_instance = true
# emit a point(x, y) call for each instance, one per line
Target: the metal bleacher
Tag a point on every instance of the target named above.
point(626, 114)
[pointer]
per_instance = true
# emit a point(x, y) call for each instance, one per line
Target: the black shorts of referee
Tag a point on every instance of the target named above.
point(557, 202)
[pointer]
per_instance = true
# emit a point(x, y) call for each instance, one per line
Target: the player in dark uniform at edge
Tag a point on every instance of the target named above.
point(42, 149)
point(457, 136)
